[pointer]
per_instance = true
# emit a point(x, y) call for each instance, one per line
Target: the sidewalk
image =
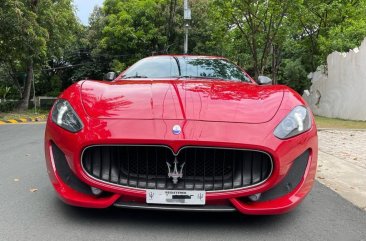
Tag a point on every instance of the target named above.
point(342, 163)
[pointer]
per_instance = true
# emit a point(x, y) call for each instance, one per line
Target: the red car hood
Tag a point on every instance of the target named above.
point(202, 100)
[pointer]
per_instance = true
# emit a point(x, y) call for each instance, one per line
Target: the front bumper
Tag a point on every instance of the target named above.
point(236, 135)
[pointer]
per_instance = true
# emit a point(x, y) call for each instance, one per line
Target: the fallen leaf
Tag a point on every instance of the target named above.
point(33, 190)
point(320, 177)
point(320, 165)
point(355, 158)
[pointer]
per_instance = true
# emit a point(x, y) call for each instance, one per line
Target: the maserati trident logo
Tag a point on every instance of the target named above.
point(200, 196)
point(151, 195)
point(175, 174)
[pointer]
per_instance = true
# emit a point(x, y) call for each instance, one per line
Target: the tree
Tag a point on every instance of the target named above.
point(134, 29)
point(19, 38)
point(260, 24)
point(32, 32)
point(84, 59)
point(326, 26)
point(277, 37)
point(284, 39)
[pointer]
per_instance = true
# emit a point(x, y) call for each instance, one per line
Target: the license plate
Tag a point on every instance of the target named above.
point(175, 197)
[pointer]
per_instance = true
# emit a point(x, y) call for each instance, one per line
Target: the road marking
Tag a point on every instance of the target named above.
point(24, 123)
point(41, 118)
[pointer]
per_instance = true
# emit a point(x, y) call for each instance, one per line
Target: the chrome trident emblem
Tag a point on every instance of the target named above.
point(175, 174)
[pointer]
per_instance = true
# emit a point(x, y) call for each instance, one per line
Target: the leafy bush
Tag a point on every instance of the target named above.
point(46, 104)
point(8, 106)
point(293, 74)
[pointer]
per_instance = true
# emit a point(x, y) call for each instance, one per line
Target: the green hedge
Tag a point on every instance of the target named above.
point(8, 106)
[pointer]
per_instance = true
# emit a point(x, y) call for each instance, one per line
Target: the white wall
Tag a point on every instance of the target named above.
point(340, 91)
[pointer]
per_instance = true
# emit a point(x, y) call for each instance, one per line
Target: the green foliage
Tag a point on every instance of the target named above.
point(324, 27)
point(8, 106)
point(33, 32)
point(259, 28)
point(36, 29)
point(117, 66)
point(282, 39)
point(286, 39)
point(207, 30)
point(293, 74)
point(50, 86)
point(134, 28)
point(4, 91)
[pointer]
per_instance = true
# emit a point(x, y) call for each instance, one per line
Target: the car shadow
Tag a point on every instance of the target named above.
point(171, 219)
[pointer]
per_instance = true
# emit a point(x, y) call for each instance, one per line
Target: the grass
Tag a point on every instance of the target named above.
point(324, 122)
point(23, 114)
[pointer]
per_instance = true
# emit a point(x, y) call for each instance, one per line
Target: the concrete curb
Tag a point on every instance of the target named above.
point(40, 118)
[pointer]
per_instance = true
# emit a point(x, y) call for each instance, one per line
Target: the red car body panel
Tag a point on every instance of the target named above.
point(179, 99)
point(211, 113)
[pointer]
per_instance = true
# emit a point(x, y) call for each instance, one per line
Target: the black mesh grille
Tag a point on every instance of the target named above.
point(210, 169)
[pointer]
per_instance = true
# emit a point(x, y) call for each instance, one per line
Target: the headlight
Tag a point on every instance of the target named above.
point(65, 116)
point(295, 123)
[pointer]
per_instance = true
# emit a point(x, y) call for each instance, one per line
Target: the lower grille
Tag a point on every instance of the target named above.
point(145, 167)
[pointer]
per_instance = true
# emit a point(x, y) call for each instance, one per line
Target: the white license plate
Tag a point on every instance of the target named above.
point(175, 197)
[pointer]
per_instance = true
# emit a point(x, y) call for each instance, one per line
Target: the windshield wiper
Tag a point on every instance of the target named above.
point(135, 77)
point(197, 77)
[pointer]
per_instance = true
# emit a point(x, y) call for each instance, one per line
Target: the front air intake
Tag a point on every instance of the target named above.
point(201, 168)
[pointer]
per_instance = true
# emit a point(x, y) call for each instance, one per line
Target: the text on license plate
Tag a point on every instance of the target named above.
point(175, 197)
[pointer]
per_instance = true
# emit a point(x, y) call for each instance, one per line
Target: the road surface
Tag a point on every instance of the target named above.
point(39, 215)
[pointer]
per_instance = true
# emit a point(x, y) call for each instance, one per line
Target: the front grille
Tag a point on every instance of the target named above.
point(145, 167)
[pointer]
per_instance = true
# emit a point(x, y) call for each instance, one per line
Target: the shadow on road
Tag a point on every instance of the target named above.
point(167, 219)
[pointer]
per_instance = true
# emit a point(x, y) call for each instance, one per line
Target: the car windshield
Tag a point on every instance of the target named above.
point(185, 67)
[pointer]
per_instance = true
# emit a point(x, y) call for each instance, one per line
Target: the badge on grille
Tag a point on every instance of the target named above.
point(177, 130)
point(175, 174)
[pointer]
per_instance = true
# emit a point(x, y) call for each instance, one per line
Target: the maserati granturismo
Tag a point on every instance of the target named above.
point(182, 133)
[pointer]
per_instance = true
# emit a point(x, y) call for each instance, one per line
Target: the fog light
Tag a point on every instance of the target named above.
point(96, 191)
point(255, 197)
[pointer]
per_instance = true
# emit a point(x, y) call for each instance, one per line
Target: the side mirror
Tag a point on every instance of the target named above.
point(264, 80)
point(110, 76)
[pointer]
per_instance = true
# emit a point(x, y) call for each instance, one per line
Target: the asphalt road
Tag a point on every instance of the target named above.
point(25, 215)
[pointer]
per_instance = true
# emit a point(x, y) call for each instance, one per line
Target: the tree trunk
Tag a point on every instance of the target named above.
point(15, 80)
point(274, 65)
point(256, 64)
point(27, 87)
point(171, 22)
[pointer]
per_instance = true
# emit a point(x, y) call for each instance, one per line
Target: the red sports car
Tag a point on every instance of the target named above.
point(182, 132)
